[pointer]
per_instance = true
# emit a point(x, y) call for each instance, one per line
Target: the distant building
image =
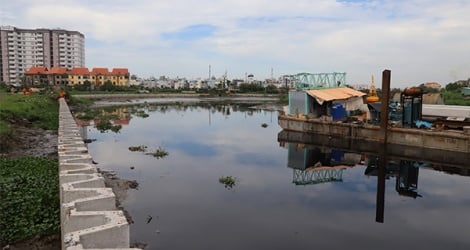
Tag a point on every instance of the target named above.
point(62, 76)
point(287, 81)
point(21, 49)
point(250, 78)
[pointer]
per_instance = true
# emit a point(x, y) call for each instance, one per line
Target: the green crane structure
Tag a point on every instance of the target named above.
point(306, 81)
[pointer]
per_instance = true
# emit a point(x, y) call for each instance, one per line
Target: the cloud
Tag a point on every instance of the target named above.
point(418, 40)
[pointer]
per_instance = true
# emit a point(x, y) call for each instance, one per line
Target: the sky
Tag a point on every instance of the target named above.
point(417, 40)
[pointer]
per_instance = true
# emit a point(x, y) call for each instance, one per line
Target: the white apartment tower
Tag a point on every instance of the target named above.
point(21, 49)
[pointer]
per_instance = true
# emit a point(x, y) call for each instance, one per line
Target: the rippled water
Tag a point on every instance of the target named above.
point(278, 200)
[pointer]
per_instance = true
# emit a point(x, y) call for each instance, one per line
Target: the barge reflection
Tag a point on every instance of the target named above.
point(318, 159)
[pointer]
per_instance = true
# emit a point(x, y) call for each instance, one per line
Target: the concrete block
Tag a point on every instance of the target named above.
point(89, 217)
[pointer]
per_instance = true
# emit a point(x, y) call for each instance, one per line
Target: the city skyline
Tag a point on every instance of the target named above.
point(419, 41)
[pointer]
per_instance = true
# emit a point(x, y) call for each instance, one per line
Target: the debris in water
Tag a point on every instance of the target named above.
point(140, 148)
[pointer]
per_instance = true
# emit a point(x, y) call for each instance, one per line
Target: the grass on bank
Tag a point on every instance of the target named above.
point(30, 203)
point(41, 110)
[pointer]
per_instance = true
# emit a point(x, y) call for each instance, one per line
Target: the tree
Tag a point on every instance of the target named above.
point(107, 86)
point(455, 86)
point(83, 87)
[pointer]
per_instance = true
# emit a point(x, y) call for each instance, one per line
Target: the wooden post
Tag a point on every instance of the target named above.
point(385, 99)
point(382, 162)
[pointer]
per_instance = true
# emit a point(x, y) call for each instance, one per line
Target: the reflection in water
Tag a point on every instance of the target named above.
point(312, 166)
point(315, 163)
point(405, 172)
point(104, 119)
point(114, 117)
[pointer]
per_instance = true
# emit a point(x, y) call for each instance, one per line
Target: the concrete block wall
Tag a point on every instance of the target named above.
point(89, 217)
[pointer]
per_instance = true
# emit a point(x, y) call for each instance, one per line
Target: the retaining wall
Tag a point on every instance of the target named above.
point(89, 217)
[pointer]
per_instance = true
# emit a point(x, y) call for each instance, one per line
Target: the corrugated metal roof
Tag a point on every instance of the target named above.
point(330, 94)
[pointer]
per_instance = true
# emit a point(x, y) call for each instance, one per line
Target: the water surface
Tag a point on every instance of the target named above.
point(278, 200)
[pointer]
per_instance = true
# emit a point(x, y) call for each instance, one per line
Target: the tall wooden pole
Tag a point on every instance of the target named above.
point(385, 99)
point(382, 161)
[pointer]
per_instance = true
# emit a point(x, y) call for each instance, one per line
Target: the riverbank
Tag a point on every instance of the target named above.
point(24, 140)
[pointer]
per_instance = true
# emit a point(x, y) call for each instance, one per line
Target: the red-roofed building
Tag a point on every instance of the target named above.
point(79, 76)
point(58, 75)
point(36, 76)
point(99, 76)
point(120, 76)
point(36, 70)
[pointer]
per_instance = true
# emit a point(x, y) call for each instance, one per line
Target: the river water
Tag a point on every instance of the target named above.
point(230, 182)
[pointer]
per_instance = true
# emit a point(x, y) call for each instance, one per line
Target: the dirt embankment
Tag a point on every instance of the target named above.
point(28, 140)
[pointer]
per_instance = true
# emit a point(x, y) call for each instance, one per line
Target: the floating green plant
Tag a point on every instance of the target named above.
point(159, 153)
point(228, 181)
point(30, 199)
point(264, 125)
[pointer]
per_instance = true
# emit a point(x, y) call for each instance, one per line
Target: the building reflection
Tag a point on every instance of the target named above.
point(318, 159)
point(312, 166)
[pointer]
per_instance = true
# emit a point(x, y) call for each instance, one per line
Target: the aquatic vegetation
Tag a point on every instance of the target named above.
point(264, 125)
point(159, 153)
point(228, 181)
point(30, 204)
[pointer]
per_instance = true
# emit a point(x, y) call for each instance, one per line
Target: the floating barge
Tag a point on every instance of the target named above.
point(450, 140)
point(326, 110)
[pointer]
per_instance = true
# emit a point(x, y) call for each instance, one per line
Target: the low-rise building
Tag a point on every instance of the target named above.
point(79, 75)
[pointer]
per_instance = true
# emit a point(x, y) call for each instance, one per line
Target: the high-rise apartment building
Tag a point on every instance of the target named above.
point(21, 49)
